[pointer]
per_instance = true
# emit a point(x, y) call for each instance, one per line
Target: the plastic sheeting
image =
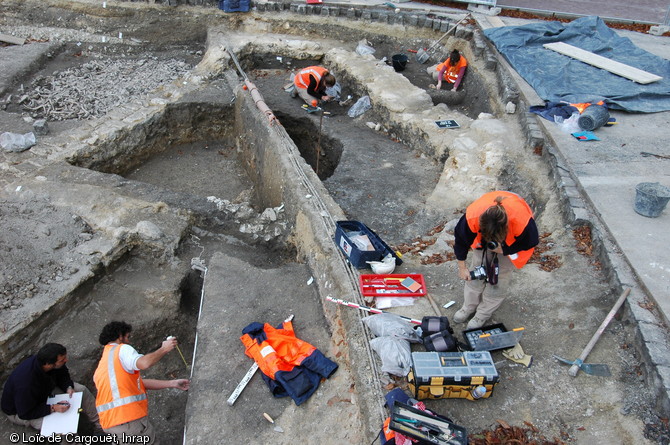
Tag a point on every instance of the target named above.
point(556, 77)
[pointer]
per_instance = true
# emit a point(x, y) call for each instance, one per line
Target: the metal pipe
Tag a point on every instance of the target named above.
point(255, 94)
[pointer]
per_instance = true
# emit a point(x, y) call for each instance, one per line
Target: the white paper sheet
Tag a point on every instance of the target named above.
point(62, 423)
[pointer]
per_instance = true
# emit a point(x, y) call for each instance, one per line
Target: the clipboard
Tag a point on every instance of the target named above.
point(62, 423)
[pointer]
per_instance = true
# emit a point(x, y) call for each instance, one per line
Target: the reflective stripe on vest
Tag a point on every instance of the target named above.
point(451, 74)
point(281, 351)
point(122, 408)
point(518, 215)
point(302, 78)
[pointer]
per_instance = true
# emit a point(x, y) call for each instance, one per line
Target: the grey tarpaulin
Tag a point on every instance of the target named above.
point(556, 77)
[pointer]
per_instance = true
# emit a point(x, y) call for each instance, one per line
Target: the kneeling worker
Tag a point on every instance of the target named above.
point(452, 70)
point(122, 398)
point(311, 84)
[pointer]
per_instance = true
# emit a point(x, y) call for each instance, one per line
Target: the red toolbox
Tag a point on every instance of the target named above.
point(394, 285)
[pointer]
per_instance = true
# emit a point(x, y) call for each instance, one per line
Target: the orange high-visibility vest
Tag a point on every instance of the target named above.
point(388, 432)
point(583, 106)
point(518, 212)
point(301, 79)
point(121, 396)
point(282, 350)
point(451, 74)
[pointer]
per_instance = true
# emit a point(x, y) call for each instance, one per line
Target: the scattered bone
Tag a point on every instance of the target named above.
point(82, 92)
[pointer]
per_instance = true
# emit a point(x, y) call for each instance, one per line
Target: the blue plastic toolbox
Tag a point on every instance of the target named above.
point(345, 234)
point(235, 5)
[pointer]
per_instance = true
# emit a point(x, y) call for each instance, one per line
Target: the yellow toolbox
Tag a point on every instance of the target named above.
point(452, 375)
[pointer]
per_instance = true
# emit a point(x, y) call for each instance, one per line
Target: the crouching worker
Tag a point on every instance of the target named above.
point(24, 399)
point(451, 70)
point(311, 83)
point(122, 397)
point(500, 229)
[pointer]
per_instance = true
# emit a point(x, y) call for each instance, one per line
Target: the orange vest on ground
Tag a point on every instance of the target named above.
point(451, 74)
point(121, 396)
point(388, 432)
point(583, 106)
point(301, 79)
point(282, 350)
point(518, 215)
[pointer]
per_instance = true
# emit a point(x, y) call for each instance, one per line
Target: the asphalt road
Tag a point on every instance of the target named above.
point(652, 11)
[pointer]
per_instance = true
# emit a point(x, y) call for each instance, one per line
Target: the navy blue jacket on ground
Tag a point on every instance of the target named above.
point(303, 380)
point(28, 387)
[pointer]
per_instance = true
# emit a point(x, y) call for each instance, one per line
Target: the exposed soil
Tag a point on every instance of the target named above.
point(376, 178)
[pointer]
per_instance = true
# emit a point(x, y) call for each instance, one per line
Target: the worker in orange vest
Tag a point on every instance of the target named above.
point(311, 83)
point(122, 399)
point(452, 70)
point(500, 230)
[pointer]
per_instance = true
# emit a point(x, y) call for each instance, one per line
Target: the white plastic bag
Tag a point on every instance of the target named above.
point(364, 48)
point(390, 301)
point(17, 142)
point(390, 325)
point(361, 106)
point(569, 125)
point(335, 91)
point(395, 354)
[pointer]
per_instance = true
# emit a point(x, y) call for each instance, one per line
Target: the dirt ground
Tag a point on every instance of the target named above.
point(375, 177)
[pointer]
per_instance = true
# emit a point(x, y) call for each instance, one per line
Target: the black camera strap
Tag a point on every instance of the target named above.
point(492, 270)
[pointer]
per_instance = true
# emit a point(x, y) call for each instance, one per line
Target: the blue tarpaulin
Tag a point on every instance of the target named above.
point(556, 77)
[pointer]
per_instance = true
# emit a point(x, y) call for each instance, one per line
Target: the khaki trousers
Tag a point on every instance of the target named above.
point(139, 427)
point(87, 405)
point(304, 95)
point(481, 297)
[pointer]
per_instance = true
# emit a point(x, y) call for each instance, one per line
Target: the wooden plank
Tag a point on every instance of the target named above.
point(11, 39)
point(495, 21)
point(614, 67)
point(491, 3)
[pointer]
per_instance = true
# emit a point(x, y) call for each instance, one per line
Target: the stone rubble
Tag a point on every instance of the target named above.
point(82, 92)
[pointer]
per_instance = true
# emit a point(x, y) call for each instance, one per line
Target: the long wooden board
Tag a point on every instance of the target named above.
point(11, 39)
point(614, 67)
point(495, 21)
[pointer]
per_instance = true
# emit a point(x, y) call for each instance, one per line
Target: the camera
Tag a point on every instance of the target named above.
point(479, 273)
point(491, 245)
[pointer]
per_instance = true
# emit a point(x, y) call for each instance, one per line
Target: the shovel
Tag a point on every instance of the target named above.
point(601, 370)
point(422, 55)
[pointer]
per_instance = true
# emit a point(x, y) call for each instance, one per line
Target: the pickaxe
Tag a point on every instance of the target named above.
point(591, 368)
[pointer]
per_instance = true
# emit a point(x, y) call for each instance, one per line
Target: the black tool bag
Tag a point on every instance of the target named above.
point(441, 342)
point(432, 325)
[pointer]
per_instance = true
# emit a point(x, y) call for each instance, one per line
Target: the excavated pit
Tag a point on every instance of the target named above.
point(320, 151)
point(389, 178)
point(189, 153)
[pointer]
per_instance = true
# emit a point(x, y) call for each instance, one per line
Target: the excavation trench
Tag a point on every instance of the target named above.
point(198, 176)
point(197, 156)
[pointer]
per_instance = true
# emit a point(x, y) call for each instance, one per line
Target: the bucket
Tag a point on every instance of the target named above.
point(651, 198)
point(594, 116)
point(399, 62)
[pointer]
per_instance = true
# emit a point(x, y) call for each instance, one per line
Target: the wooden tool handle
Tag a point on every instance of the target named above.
point(574, 369)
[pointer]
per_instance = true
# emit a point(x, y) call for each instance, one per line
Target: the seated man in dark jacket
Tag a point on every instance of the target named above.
point(24, 398)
